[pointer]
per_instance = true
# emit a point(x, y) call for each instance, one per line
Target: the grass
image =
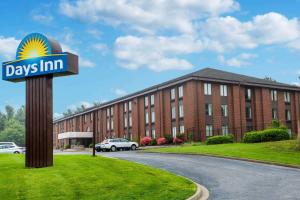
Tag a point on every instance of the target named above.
point(282, 152)
point(83, 177)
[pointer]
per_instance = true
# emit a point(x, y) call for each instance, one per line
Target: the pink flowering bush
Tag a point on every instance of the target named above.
point(162, 141)
point(146, 141)
point(177, 140)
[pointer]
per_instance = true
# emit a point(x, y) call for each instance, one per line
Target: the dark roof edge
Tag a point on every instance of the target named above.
point(172, 82)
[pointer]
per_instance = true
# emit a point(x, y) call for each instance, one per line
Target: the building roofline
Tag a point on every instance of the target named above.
point(182, 79)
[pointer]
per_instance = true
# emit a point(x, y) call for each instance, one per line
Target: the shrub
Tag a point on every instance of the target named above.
point(190, 136)
point(153, 141)
point(272, 134)
point(275, 124)
point(220, 139)
point(161, 141)
point(169, 138)
point(67, 146)
point(91, 146)
point(146, 141)
point(181, 136)
point(177, 140)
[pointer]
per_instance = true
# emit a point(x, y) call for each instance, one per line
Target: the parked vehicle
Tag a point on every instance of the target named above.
point(11, 147)
point(117, 144)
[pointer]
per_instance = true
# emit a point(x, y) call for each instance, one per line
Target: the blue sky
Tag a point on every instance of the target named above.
point(125, 46)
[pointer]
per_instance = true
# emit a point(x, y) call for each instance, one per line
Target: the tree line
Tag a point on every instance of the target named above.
point(12, 125)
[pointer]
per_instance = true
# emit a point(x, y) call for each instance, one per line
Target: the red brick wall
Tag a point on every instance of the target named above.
point(281, 107)
point(158, 114)
point(258, 110)
point(201, 111)
point(266, 107)
point(167, 112)
point(189, 102)
point(216, 109)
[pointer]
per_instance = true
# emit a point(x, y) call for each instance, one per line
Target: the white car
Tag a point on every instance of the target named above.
point(11, 147)
point(116, 144)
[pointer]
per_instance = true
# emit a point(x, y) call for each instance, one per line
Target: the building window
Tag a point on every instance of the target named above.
point(209, 130)
point(152, 116)
point(248, 94)
point(129, 106)
point(174, 131)
point(224, 110)
point(208, 109)
point(146, 101)
point(147, 132)
point(85, 118)
point(181, 129)
point(288, 115)
point(225, 130)
point(173, 94)
point(111, 111)
point(180, 91)
point(146, 117)
point(107, 112)
point(130, 120)
point(173, 112)
point(207, 88)
point(112, 123)
point(125, 121)
point(91, 116)
point(273, 95)
point(181, 113)
point(290, 131)
point(223, 90)
point(287, 97)
point(248, 113)
point(152, 99)
point(107, 124)
point(274, 113)
point(153, 134)
point(125, 107)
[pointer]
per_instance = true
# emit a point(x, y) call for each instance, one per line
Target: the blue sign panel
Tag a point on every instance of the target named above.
point(19, 69)
point(37, 55)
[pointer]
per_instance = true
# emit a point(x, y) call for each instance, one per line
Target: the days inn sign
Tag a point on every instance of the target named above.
point(37, 55)
point(38, 60)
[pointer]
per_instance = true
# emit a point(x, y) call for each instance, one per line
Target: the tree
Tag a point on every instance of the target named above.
point(14, 132)
point(20, 115)
point(10, 112)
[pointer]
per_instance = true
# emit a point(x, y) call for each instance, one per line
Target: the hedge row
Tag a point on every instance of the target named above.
point(220, 139)
point(272, 134)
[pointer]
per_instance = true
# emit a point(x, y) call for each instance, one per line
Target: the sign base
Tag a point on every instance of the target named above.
point(39, 122)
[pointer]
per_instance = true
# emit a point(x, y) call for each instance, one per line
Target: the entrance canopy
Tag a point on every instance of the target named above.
point(69, 135)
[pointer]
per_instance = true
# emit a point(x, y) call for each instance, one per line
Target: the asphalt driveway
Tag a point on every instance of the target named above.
point(224, 178)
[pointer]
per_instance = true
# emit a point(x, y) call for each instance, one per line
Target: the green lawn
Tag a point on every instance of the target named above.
point(84, 177)
point(282, 152)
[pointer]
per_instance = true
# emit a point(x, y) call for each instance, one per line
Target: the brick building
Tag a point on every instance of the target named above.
point(201, 104)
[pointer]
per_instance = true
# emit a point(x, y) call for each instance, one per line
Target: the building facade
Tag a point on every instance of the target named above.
point(201, 104)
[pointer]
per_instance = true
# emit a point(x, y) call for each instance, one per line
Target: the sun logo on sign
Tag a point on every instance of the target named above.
point(33, 46)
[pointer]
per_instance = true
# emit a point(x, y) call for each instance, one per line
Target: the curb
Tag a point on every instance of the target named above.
point(231, 158)
point(201, 193)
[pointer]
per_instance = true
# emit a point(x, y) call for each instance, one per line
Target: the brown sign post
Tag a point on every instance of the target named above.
point(38, 60)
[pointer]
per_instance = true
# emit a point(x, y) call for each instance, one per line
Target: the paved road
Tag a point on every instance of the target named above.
point(224, 178)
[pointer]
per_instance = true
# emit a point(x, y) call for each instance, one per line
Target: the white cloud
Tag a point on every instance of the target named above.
point(155, 53)
point(296, 84)
point(86, 63)
point(8, 47)
point(57, 115)
point(119, 92)
point(42, 18)
point(238, 61)
point(83, 62)
point(95, 33)
point(86, 104)
point(101, 48)
point(147, 16)
point(226, 33)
